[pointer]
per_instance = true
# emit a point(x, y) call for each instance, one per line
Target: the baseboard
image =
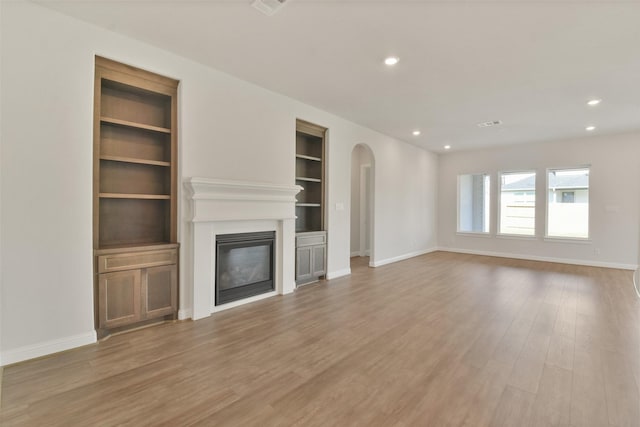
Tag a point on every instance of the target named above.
point(339, 273)
point(587, 263)
point(401, 257)
point(49, 347)
point(185, 314)
point(356, 253)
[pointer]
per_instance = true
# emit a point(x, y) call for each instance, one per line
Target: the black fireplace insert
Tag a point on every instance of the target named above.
point(244, 265)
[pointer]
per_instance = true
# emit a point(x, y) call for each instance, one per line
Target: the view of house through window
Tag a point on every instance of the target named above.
point(568, 203)
point(518, 203)
point(473, 203)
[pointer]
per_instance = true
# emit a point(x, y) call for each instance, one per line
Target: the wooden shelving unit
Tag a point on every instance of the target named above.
point(310, 175)
point(135, 195)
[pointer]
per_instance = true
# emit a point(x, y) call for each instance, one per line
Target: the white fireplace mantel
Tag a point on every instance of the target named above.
point(225, 200)
point(222, 206)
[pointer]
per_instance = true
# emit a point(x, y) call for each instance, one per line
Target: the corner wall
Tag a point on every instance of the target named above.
point(228, 129)
point(614, 196)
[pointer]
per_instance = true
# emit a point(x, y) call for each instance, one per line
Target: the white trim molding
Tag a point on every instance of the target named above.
point(382, 262)
point(185, 314)
point(340, 273)
point(48, 347)
point(233, 304)
point(587, 263)
point(227, 200)
point(218, 206)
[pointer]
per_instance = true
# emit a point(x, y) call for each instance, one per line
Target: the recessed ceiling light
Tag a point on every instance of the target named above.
point(594, 102)
point(447, 147)
point(416, 132)
point(392, 60)
point(590, 128)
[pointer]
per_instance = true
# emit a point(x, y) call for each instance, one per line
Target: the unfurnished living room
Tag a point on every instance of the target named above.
point(319, 213)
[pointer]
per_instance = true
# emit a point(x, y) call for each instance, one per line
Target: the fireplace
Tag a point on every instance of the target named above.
point(217, 207)
point(244, 265)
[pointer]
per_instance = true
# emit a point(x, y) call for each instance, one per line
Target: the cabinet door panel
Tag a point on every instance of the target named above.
point(319, 268)
point(303, 263)
point(159, 290)
point(119, 295)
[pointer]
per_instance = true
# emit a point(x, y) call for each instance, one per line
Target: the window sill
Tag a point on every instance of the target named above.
point(516, 237)
point(576, 240)
point(472, 234)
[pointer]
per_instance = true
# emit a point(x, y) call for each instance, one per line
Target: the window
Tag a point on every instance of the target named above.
point(568, 203)
point(518, 203)
point(473, 203)
point(568, 197)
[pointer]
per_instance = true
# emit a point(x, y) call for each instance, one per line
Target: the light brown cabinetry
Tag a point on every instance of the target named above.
point(135, 287)
point(311, 237)
point(119, 295)
point(135, 195)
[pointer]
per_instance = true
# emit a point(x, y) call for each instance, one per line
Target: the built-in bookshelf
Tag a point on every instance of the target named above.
point(310, 204)
point(135, 195)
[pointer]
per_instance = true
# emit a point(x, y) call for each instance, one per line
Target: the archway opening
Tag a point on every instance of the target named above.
point(362, 204)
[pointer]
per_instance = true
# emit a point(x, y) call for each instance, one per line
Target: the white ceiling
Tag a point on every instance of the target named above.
point(531, 64)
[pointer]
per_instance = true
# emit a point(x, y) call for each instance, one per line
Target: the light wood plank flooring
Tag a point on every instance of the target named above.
point(438, 340)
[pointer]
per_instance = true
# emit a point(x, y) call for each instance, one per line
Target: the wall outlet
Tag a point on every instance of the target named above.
point(596, 251)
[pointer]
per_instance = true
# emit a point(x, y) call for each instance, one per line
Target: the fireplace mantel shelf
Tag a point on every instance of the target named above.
point(220, 189)
point(227, 200)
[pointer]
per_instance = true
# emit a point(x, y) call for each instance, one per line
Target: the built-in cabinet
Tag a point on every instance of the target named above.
point(311, 253)
point(135, 196)
point(136, 285)
point(311, 236)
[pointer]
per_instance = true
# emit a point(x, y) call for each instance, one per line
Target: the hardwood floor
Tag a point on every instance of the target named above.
point(438, 340)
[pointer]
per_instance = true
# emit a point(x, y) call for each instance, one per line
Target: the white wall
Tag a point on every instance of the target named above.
point(614, 197)
point(359, 156)
point(227, 129)
point(355, 199)
point(1, 302)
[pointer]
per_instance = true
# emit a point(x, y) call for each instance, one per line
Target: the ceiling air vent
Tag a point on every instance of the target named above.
point(268, 7)
point(489, 124)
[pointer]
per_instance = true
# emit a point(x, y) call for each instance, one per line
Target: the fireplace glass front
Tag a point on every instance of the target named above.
point(244, 265)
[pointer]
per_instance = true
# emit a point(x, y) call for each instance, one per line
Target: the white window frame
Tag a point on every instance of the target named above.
point(473, 233)
point(546, 208)
point(533, 236)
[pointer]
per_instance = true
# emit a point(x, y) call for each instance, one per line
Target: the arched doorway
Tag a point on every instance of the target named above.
point(362, 202)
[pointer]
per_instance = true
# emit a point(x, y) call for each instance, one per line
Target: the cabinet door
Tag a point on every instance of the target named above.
point(318, 262)
point(303, 263)
point(159, 291)
point(119, 298)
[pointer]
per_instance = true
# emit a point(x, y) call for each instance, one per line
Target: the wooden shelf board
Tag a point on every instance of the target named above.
point(302, 156)
point(302, 178)
point(134, 247)
point(134, 196)
point(134, 160)
point(127, 123)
